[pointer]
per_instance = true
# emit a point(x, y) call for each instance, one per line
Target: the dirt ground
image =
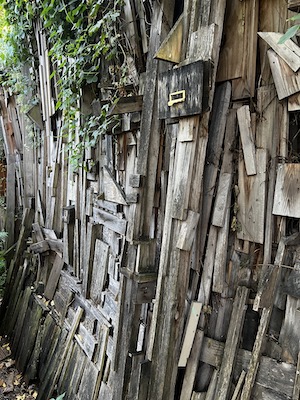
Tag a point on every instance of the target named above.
point(12, 385)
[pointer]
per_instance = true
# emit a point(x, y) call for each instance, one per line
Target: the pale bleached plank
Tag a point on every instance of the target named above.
point(288, 51)
point(287, 191)
point(187, 231)
point(287, 81)
point(244, 120)
point(190, 332)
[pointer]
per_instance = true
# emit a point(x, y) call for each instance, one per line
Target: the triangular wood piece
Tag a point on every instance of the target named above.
point(286, 81)
point(112, 190)
point(170, 49)
point(288, 51)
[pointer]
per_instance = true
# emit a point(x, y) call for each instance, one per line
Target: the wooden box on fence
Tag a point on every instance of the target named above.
point(180, 91)
point(294, 5)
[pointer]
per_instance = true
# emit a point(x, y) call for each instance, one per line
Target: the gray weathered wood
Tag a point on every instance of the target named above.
point(232, 343)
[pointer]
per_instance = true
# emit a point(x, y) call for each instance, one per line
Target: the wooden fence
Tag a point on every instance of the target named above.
point(167, 267)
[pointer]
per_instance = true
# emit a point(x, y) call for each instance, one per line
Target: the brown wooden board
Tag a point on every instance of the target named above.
point(180, 91)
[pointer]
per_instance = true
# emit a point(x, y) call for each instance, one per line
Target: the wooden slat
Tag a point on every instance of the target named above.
point(187, 231)
point(232, 343)
point(170, 49)
point(99, 272)
point(286, 81)
point(296, 390)
point(251, 200)
point(190, 332)
point(111, 221)
point(256, 353)
point(244, 120)
point(288, 51)
point(54, 277)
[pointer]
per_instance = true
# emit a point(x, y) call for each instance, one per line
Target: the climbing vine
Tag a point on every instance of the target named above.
point(83, 37)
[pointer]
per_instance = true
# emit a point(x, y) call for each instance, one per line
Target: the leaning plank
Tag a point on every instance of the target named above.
point(111, 221)
point(187, 231)
point(268, 280)
point(54, 277)
point(190, 332)
point(256, 353)
point(287, 198)
point(288, 51)
point(219, 277)
point(286, 81)
point(99, 272)
point(296, 391)
point(214, 150)
point(244, 120)
point(192, 367)
point(223, 192)
point(232, 343)
point(239, 385)
point(71, 334)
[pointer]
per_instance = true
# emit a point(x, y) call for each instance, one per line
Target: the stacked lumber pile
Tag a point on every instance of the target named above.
point(168, 266)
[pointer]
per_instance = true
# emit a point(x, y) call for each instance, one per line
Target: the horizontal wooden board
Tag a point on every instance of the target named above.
point(111, 221)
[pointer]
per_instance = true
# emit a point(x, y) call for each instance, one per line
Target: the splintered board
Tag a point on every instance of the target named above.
point(180, 91)
point(287, 191)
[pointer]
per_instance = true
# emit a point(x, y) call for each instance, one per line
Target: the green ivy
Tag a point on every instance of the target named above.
point(82, 35)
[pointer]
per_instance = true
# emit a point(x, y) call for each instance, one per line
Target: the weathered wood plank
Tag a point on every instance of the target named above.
point(99, 272)
point(54, 277)
point(286, 81)
point(244, 120)
point(286, 197)
point(251, 200)
point(288, 51)
point(213, 153)
point(190, 331)
point(111, 221)
point(272, 374)
point(256, 354)
point(296, 391)
point(192, 367)
point(187, 231)
point(112, 190)
point(232, 343)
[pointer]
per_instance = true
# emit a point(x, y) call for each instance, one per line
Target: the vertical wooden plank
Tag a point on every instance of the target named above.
point(244, 119)
point(232, 343)
point(255, 358)
point(192, 367)
point(251, 200)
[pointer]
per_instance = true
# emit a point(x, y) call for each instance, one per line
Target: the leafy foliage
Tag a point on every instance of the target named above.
point(292, 31)
point(83, 36)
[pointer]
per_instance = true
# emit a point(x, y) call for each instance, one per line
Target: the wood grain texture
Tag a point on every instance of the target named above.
point(287, 191)
point(251, 200)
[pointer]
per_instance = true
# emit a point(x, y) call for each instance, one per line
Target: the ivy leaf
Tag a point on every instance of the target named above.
point(294, 17)
point(289, 34)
